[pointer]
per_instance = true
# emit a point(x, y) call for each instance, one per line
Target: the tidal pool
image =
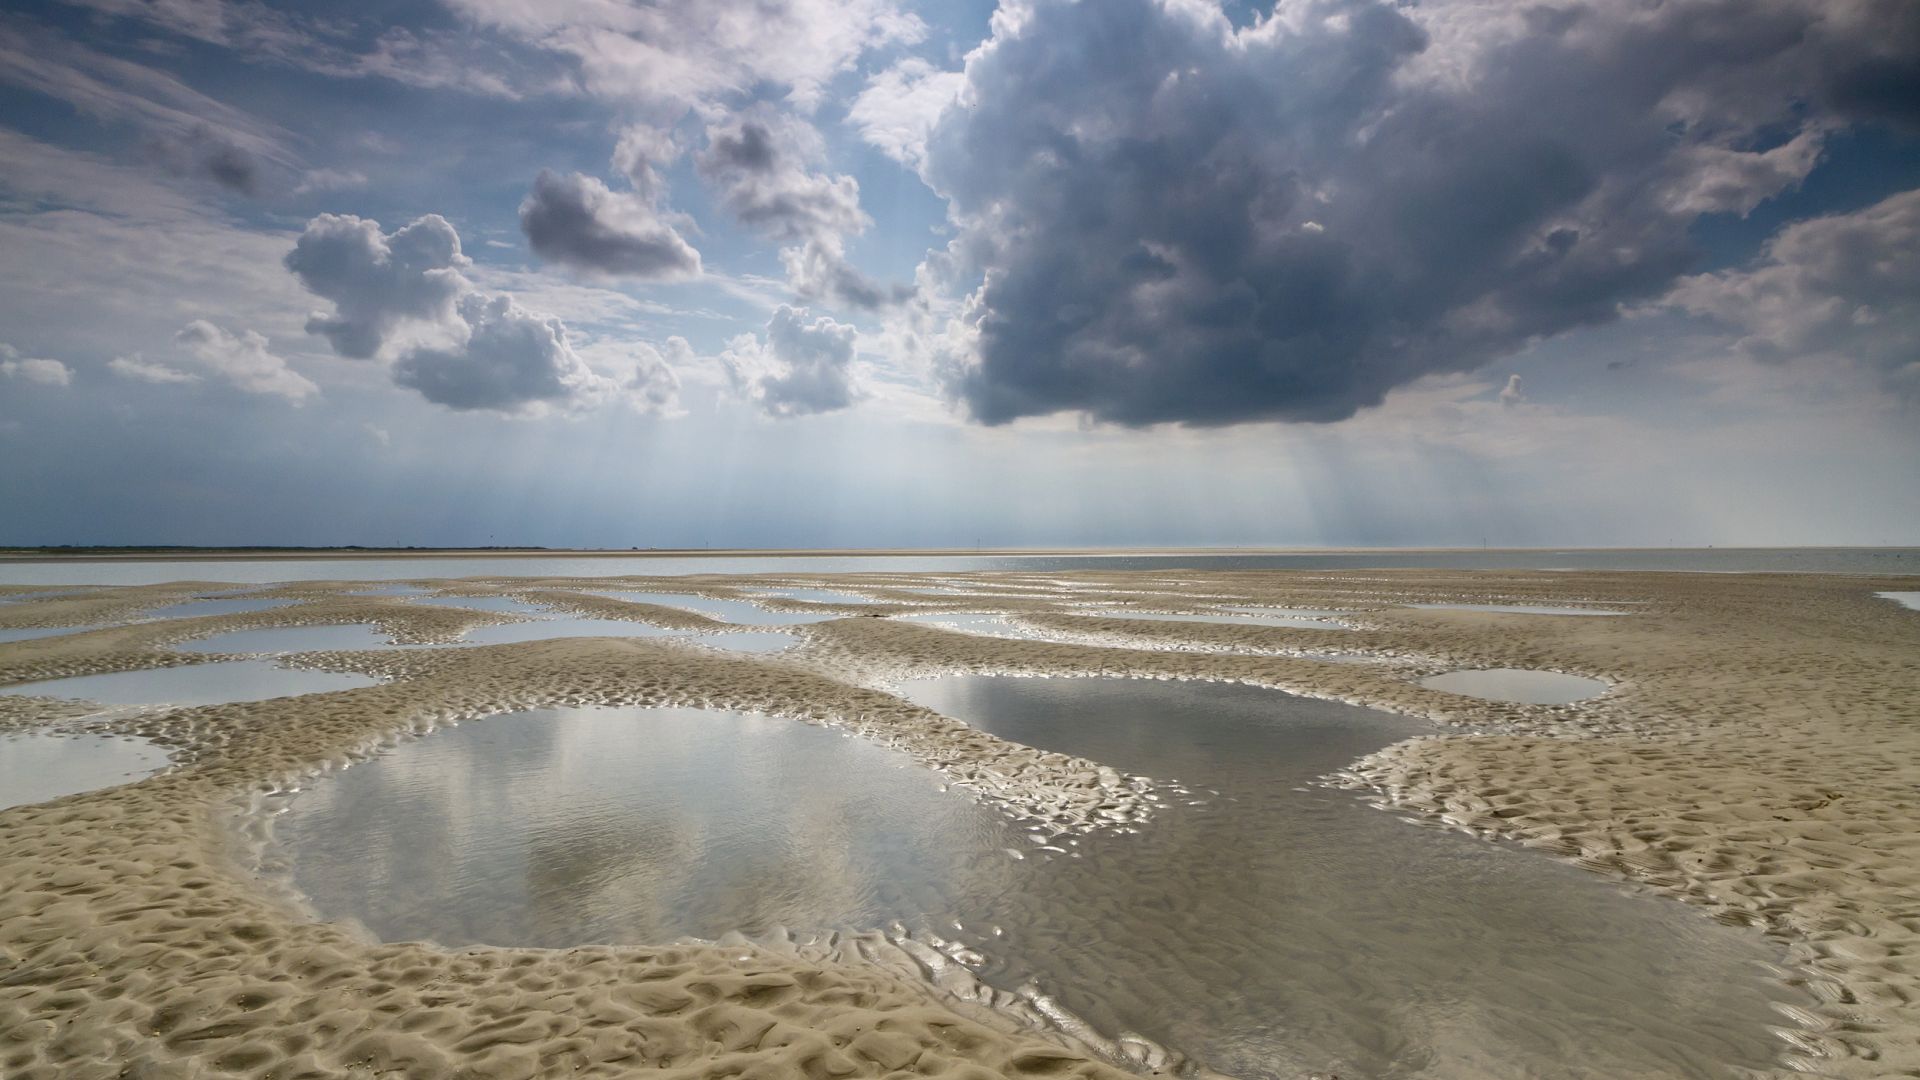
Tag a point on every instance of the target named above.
point(821, 596)
point(290, 639)
point(36, 768)
point(1518, 685)
point(1269, 927)
point(747, 641)
point(1905, 599)
point(193, 684)
point(743, 612)
point(1520, 609)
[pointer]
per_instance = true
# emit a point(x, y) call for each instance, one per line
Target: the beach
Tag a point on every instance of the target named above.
point(1756, 754)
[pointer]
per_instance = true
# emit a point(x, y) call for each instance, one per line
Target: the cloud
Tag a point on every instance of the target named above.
point(1843, 285)
point(186, 132)
point(577, 221)
point(1510, 394)
point(759, 164)
point(243, 360)
point(512, 361)
point(1165, 218)
point(899, 107)
point(801, 367)
point(33, 369)
point(320, 180)
point(378, 281)
point(671, 57)
point(141, 370)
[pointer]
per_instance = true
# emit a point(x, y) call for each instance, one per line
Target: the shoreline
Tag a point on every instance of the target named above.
point(1734, 697)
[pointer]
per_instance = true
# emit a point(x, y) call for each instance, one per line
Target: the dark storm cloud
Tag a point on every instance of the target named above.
point(205, 155)
point(759, 165)
point(512, 360)
point(577, 221)
point(1174, 221)
point(377, 280)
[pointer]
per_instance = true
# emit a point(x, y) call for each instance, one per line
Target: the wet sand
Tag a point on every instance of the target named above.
point(1757, 754)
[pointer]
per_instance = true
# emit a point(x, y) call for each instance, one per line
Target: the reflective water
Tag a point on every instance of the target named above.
point(561, 826)
point(1906, 599)
point(1273, 928)
point(30, 633)
point(820, 596)
point(743, 612)
point(36, 768)
point(1518, 685)
point(1521, 609)
point(193, 684)
point(1001, 626)
point(195, 608)
point(289, 639)
point(118, 571)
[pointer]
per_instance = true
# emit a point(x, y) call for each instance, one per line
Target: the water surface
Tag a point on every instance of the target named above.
point(1518, 685)
point(1273, 928)
point(193, 684)
point(1905, 599)
point(37, 768)
point(32, 632)
point(1314, 620)
point(289, 639)
point(193, 608)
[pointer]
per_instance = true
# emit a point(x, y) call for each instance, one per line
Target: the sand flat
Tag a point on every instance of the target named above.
point(1757, 755)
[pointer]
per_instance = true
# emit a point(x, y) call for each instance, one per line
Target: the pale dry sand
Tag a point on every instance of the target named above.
point(1758, 754)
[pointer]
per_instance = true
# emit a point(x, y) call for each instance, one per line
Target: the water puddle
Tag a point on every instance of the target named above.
point(1520, 609)
point(193, 684)
point(1003, 627)
point(1518, 685)
point(560, 826)
point(290, 639)
point(1905, 599)
point(820, 596)
point(395, 589)
point(37, 768)
point(195, 608)
point(34, 632)
point(1270, 927)
point(734, 611)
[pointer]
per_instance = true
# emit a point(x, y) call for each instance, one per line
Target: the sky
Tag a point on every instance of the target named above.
point(858, 273)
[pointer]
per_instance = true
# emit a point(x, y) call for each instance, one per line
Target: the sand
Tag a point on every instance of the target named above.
point(1757, 754)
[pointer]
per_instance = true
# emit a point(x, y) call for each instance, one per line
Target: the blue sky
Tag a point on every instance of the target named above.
point(872, 272)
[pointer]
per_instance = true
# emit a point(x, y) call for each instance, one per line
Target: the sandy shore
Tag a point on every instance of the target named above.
point(1758, 754)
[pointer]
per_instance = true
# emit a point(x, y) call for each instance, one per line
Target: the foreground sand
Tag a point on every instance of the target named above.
point(1759, 755)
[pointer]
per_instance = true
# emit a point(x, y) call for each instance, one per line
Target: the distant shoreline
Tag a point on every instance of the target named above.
point(172, 554)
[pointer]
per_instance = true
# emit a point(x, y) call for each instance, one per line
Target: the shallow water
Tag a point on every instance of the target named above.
point(1268, 929)
point(820, 596)
point(1518, 685)
point(290, 639)
point(1521, 609)
point(1001, 626)
point(743, 612)
point(194, 608)
point(36, 768)
point(121, 571)
point(1905, 599)
point(193, 684)
point(30, 633)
